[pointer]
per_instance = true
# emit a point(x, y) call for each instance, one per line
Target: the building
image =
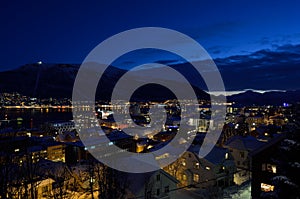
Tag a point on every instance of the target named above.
point(75, 152)
point(152, 185)
point(44, 188)
point(41, 190)
point(201, 124)
point(59, 127)
point(264, 167)
point(56, 152)
point(240, 147)
point(216, 169)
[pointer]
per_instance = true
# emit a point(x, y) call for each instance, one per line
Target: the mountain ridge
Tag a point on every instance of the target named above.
point(56, 80)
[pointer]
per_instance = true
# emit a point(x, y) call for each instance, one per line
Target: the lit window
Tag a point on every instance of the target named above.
point(266, 187)
point(183, 163)
point(271, 168)
point(226, 156)
point(196, 178)
point(197, 165)
point(184, 177)
point(207, 168)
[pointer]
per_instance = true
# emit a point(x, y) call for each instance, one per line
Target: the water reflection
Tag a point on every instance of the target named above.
point(34, 118)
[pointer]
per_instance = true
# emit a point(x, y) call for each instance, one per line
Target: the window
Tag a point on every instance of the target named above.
point(158, 177)
point(226, 156)
point(183, 163)
point(196, 178)
point(221, 169)
point(184, 177)
point(266, 187)
point(167, 189)
point(45, 189)
point(197, 165)
point(207, 168)
point(157, 192)
point(242, 154)
point(271, 168)
point(263, 167)
point(190, 155)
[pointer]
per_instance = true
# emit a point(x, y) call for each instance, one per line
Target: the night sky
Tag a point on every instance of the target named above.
point(65, 32)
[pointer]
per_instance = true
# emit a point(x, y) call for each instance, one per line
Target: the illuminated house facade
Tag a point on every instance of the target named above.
point(240, 147)
point(216, 169)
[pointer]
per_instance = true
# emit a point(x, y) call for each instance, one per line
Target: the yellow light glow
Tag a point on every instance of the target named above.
point(266, 187)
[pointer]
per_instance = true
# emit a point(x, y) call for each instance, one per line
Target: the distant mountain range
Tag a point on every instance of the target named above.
point(56, 80)
point(45, 80)
point(267, 98)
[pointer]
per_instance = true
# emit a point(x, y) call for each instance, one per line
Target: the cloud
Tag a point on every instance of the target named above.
point(274, 68)
point(278, 40)
point(263, 69)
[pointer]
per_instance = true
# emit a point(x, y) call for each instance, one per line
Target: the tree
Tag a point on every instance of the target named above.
point(30, 178)
point(107, 181)
point(7, 177)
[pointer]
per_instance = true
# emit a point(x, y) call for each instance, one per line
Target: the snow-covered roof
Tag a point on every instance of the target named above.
point(248, 143)
point(217, 155)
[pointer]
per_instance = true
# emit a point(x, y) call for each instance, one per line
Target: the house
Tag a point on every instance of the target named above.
point(44, 188)
point(39, 189)
point(215, 169)
point(151, 185)
point(239, 147)
point(264, 167)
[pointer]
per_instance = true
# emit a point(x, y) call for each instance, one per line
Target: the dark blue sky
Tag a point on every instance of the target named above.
point(66, 31)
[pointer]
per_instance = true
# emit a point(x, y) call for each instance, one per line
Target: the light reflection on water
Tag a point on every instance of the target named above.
point(34, 118)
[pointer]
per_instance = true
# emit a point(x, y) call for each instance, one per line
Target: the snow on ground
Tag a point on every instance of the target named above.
point(242, 192)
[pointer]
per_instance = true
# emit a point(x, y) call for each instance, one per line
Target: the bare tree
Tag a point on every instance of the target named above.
point(61, 175)
point(30, 178)
point(6, 174)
